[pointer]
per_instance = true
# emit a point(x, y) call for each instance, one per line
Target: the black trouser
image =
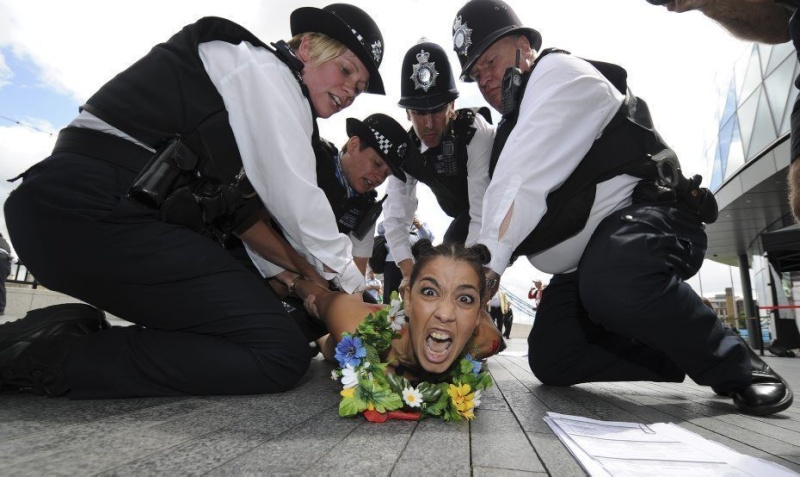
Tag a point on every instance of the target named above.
point(508, 320)
point(208, 324)
point(5, 269)
point(392, 277)
point(458, 229)
point(497, 317)
point(626, 314)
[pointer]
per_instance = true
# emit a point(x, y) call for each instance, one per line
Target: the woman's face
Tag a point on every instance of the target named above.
point(334, 84)
point(443, 307)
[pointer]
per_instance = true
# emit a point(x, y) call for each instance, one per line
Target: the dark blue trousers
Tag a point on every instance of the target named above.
point(626, 314)
point(208, 325)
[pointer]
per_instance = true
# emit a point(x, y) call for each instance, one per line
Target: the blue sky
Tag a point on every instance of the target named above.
point(56, 61)
point(27, 97)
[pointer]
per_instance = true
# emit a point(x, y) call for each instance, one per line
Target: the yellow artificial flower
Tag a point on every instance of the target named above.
point(348, 392)
point(463, 400)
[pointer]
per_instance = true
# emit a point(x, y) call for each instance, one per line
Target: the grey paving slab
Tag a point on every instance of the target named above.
point(499, 442)
point(294, 451)
point(368, 450)
point(299, 432)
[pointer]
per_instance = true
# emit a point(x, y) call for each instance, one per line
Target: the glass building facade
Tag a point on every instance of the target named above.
point(755, 105)
point(747, 157)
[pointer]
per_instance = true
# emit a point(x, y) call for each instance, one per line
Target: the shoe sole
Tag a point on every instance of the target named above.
point(75, 318)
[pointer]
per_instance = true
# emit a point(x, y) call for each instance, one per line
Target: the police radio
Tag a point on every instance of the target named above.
point(512, 80)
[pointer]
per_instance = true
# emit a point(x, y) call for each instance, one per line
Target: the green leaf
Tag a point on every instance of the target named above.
point(398, 383)
point(350, 406)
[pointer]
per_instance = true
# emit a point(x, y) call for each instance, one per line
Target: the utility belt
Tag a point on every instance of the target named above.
point(174, 180)
point(672, 187)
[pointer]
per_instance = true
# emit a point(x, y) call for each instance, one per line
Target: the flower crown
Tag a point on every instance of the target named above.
point(381, 396)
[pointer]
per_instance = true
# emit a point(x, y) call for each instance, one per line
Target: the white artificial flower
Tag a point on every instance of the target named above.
point(412, 397)
point(349, 377)
point(396, 316)
point(335, 375)
point(477, 399)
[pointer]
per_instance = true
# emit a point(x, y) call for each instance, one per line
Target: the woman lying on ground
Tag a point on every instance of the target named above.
point(423, 358)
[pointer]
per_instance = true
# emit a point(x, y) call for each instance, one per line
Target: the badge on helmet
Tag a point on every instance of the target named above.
point(427, 81)
point(479, 24)
point(386, 136)
point(351, 26)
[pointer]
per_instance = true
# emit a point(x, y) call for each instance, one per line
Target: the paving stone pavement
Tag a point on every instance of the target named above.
point(300, 433)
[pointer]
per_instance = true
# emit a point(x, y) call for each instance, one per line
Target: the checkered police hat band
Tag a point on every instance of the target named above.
point(384, 144)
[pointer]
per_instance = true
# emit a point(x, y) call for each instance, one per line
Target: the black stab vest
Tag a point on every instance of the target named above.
point(168, 94)
point(450, 187)
point(349, 211)
point(626, 147)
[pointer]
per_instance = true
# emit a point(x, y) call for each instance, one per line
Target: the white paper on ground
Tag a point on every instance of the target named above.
point(605, 448)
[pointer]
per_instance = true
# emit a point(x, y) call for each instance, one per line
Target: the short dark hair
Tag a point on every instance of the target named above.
point(475, 256)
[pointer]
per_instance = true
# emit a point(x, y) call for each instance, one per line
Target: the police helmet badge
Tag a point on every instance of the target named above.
point(377, 51)
point(424, 72)
point(402, 149)
point(462, 36)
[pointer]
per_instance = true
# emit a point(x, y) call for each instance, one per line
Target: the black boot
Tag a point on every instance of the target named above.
point(76, 319)
point(37, 367)
point(33, 349)
point(767, 394)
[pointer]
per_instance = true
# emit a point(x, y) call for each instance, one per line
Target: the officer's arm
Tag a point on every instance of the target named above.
point(479, 153)
point(264, 240)
point(764, 22)
point(398, 212)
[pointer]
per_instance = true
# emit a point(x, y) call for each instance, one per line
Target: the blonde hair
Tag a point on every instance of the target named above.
point(323, 47)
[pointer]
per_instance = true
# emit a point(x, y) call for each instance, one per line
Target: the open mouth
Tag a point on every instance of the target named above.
point(437, 346)
point(337, 103)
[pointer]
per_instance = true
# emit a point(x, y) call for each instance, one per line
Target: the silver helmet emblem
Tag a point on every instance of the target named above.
point(462, 36)
point(424, 72)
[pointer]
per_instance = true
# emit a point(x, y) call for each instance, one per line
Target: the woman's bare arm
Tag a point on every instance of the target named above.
point(263, 239)
point(341, 312)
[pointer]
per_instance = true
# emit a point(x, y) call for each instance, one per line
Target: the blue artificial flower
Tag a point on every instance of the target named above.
point(349, 351)
point(477, 366)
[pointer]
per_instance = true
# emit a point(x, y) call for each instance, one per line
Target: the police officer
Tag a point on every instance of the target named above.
point(187, 148)
point(454, 148)
point(575, 187)
point(376, 148)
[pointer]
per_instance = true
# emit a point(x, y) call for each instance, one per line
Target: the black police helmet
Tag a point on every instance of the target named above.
point(351, 26)
point(427, 81)
point(386, 136)
point(479, 24)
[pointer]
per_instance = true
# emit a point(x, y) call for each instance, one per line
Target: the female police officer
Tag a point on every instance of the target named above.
point(454, 160)
point(104, 219)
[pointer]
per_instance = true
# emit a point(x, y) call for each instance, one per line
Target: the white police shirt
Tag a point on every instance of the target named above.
point(565, 108)
point(272, 123)
point(400, 206)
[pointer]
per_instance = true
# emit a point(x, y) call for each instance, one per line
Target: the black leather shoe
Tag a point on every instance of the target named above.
point(767, 394)
point(75, 319)
point(35, 367)
point(33, 349)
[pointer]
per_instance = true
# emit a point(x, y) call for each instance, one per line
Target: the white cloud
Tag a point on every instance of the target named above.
point(5, 71)
point(671, 59)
